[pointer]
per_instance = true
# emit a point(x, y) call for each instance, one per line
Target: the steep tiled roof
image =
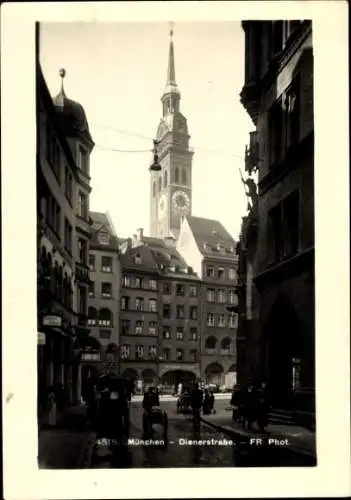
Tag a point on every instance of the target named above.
point(211, 232)
point(102, 220)
point(147, 262)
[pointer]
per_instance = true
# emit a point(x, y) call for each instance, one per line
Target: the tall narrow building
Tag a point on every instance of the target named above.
point(171, 188)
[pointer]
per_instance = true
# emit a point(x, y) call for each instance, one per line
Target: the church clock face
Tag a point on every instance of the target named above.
point(181, 203)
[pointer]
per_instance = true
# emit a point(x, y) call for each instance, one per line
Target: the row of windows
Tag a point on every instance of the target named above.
point(221, 296)
point(221, 320)
point(151, 328)
point(220, 273)
point(139, 304)
point(105, 290)
point(105, 264)
point(102, 317)
point(128, 282)
point(179, 312)
point(211, 343)
point(177, 178)
point(142, 352)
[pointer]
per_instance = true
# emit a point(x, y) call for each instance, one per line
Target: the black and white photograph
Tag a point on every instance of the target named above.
point(164, 340)
point(175, 245)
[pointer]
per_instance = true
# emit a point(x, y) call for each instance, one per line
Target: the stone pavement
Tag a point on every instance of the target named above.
point(68, 445)
point(300, 439)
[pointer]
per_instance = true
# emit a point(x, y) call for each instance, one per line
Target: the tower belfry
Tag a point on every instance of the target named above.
point(171, 187)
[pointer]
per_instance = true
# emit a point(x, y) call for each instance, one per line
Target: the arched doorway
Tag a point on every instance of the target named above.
point(214, 374)
point(283, 349)
point(174, 377)
point(148, 376)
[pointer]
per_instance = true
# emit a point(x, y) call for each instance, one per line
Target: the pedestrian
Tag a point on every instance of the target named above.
point(196, 403)
point(262, 407)
point(52, 409)
point(248, 407)
point(212, 402)
point(206, 405)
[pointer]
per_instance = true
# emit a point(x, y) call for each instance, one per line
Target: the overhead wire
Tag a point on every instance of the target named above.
point(196, 148)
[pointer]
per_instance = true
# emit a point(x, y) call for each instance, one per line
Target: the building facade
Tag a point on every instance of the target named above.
point(210, 250)
point(160, 315)
point(104, 294)
point(63, 189)
point(171, 189)
point(278, 95)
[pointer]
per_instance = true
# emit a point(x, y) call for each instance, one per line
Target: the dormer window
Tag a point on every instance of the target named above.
point(207, 247)
point(104, 238)
point(214, 232)
point(137, 259)
point(220, 247)
point(82, 159)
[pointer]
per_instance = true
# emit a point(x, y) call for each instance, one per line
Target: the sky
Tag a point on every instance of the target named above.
point(117, 71)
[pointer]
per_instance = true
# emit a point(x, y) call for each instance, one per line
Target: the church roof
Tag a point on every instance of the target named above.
point(208, 234)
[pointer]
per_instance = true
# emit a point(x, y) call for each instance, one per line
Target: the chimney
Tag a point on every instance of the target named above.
point(140, 234)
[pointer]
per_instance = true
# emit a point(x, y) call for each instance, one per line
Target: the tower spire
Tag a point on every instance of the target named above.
point(171, 70)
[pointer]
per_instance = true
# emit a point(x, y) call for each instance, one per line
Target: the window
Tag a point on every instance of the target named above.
point(232, 320)
point(53, 216)
point(139, 327)
point(82, 300)
point(154, 189)
point(166, 354)
point(125, 351)
point(105, 334)
point(68, 237)
point(106, 290)
point(152, 351)
point(232, 298)
point(210, 344)
point(292, 110)
point(210, 319)
point(104, 238)
point(166, 289)
point(82, 205)
point(193, 312)
point(221, 296)
point(92, 262)
point(166, 332)
point(139, 351)
point(179, 354)
point(105, 318)
point(192, 291)
point(137, 259)
point(184, 177)
point(106, 264)
point(139, 304)
point(176, 175)
point(92, 316)
point(139, 283)
point(152, 328)
point(220, 272)
point(193, 333)
point(166, 311)
point(180, 333)
point(220, 247)
point(291, 224)
point(91, 293)
point(125, 327)
point(193, 355)
point(231, 274)
point(180, 290)
point(159, 183)
point(165, 179)
point(274, 233)
point(221, 320)
point(68, 184)
point(125, 303)
point(210, 295)
point(82, 251)
point(180, 312)
point(152, 285)
point(275, 132)
point(152, 305)
point(125, 281)
point(210, 272)
point(82, 159)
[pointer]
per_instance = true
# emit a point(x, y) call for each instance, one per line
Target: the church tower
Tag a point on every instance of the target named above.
point(171, 187)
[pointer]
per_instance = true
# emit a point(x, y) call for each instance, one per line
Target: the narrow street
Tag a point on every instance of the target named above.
point(219, 449)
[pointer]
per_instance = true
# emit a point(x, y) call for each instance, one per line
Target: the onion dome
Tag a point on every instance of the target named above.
point(72, 114)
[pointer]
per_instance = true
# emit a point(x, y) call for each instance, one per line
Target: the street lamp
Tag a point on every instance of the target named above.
point(155, 166)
